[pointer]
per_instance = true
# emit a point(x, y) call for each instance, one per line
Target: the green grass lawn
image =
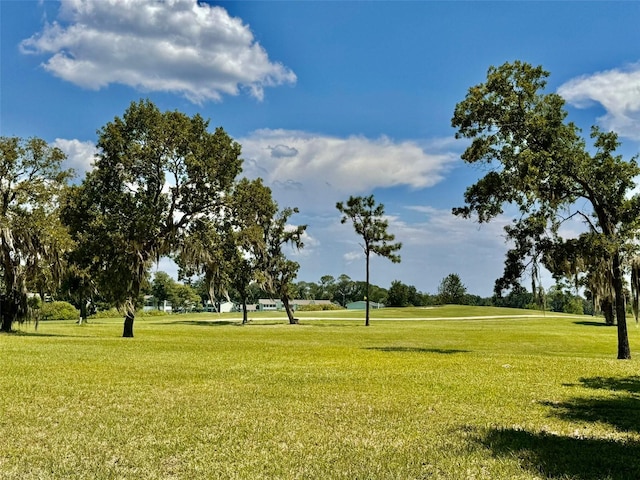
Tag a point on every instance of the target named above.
point(201, 396)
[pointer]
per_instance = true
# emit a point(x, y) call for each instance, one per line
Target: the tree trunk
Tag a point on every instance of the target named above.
point(130, 307)
point(366, 298)
point(9, 311)
point(607, 311)
point(5, 314)
point(83, 311)
point(245, 319)
point(11, 302)
point(128, 324)
point(624, 351)
point(287, 307)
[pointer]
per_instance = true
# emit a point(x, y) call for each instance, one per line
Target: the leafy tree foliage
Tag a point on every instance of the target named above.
point(327, 287)
point(229, 248)
point(531, 246)
point(345, 290)
point(244, 245)
point(451, 290)
point(279, 271)
point(368, 222)
point(186, 298)
point(163, 288)
point(518, 297)
point(477, 300)
point(77, 286)
point(543, 167)
point(401, 295)
point(156, 173)
point(58, 311)
point(32, 240)
point(251, 213)
point(398, 294)
point(308, 290)
point(208, 252)
point(561, 299)
point(376, 294)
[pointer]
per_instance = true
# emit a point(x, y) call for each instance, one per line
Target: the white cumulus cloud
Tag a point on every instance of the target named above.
point(80, 155)
point(314, 171)
point(180, 46)
point(617, 90)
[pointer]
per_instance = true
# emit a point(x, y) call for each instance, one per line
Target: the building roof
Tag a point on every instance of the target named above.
point(295, 301)
point(311, 302)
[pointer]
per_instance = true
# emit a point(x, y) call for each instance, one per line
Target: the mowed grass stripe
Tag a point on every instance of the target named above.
point(201, 396)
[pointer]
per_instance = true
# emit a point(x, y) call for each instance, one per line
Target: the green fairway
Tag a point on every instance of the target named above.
point(202, 396)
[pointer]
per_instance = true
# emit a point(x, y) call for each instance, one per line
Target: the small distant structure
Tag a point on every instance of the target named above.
point(226, 307)
point(265, 304)
point(270, 304)
point(220, 307)
point(362, 305)
point(151, 303)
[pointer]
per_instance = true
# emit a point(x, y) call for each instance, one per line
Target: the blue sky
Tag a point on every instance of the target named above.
point(328, 99)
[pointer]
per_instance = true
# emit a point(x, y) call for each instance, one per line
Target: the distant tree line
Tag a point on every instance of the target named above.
point(341, 291)
point(192, 295)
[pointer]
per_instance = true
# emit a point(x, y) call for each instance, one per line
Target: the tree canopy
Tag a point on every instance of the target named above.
point(279, 271)
point(540, 163)
point(451, 290)
point(251, 211)
point(155, 174)
point(32, 240)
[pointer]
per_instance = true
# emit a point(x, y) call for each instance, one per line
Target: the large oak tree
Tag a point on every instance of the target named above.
point(538, 161)
point(155, 174)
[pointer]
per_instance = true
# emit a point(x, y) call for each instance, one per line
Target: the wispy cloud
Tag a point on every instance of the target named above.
point(617, 90)
point(181, 46)
point(352, 256)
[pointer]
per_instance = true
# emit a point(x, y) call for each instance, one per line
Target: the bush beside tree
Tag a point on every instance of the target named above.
point(58, 311)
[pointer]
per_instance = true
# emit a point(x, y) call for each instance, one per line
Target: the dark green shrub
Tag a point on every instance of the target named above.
point(58, 311)
point(574, 305)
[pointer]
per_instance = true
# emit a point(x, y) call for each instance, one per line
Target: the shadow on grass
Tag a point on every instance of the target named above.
point(622, 413)
point(554, 456)
point(328, 324)
point(589, 323)
point(222, 323)
point(203, 323)
point(22, 333)
point(444, 351)
point(624, 384)
point(557, 457)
